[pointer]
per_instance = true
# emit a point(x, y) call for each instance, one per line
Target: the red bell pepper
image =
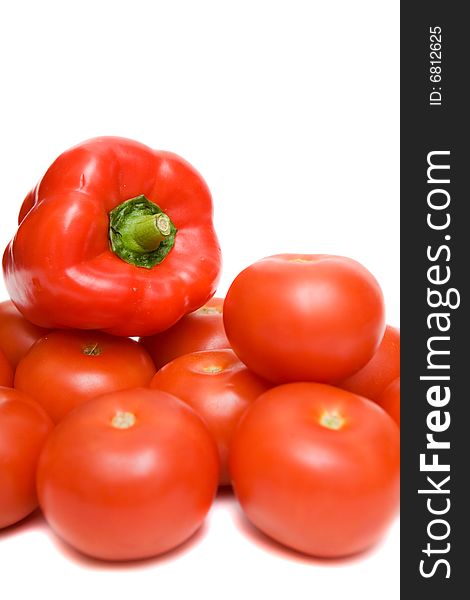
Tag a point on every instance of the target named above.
point(116, 236)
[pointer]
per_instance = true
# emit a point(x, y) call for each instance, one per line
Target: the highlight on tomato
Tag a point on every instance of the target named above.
point(128, 475)
point(24, 427)
point(202, 329)
point(66, 368)
point(304, 317)
point(317, 468)
point(219, 387)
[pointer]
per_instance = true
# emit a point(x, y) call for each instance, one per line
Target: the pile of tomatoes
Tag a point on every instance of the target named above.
point(275, 390)
point(124, 443)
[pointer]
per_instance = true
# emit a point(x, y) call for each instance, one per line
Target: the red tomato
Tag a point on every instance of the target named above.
point(6, 372)
point(24, 426)
point(383, 367)
point(17, 335)
point(200, 330)
point(219, 388)
point(128, 475)
point(67, 368)
point(302, 317)
point(317, 468)
point(389, 400)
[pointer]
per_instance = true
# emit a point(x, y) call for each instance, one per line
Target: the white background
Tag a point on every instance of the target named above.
point(290, 110)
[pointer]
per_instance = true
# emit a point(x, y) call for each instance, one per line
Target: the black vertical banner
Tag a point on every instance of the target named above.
point(435, 266)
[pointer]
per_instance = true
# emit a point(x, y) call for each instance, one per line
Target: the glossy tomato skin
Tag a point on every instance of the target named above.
point(219, 388)
point(66, 368)
point(317, 468)
point(128, 475)
point(199, 330)
point(24, 427)
point(6, 371)
point(302, 317)
point(382, 369)
point(389, 400)
point(17, 335)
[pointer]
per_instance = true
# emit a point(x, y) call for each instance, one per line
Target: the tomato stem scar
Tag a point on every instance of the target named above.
point(212, 369)
point(123, 420)
point(332, 420)
point(93, 349)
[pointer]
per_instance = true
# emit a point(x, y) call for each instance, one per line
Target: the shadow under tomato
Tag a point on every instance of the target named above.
point(90, 562)
point(225, 495)
point(34, 520)
point(268, 544)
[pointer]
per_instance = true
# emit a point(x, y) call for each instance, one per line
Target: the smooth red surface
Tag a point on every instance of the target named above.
point(24, 427)
point(389, 400)
point(321, 491)
point(122, 494)
point(303, 317)
point(6, 371)
point(59, 375)
point(17, 335)
point(219, 388)
point(383, 367)
point(200, 330)
point(59, 269)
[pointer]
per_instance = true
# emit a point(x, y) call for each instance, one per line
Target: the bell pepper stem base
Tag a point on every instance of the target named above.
point(140, 233)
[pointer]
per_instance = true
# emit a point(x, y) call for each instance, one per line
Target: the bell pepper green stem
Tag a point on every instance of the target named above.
point(140, 233)
point(144, 233)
